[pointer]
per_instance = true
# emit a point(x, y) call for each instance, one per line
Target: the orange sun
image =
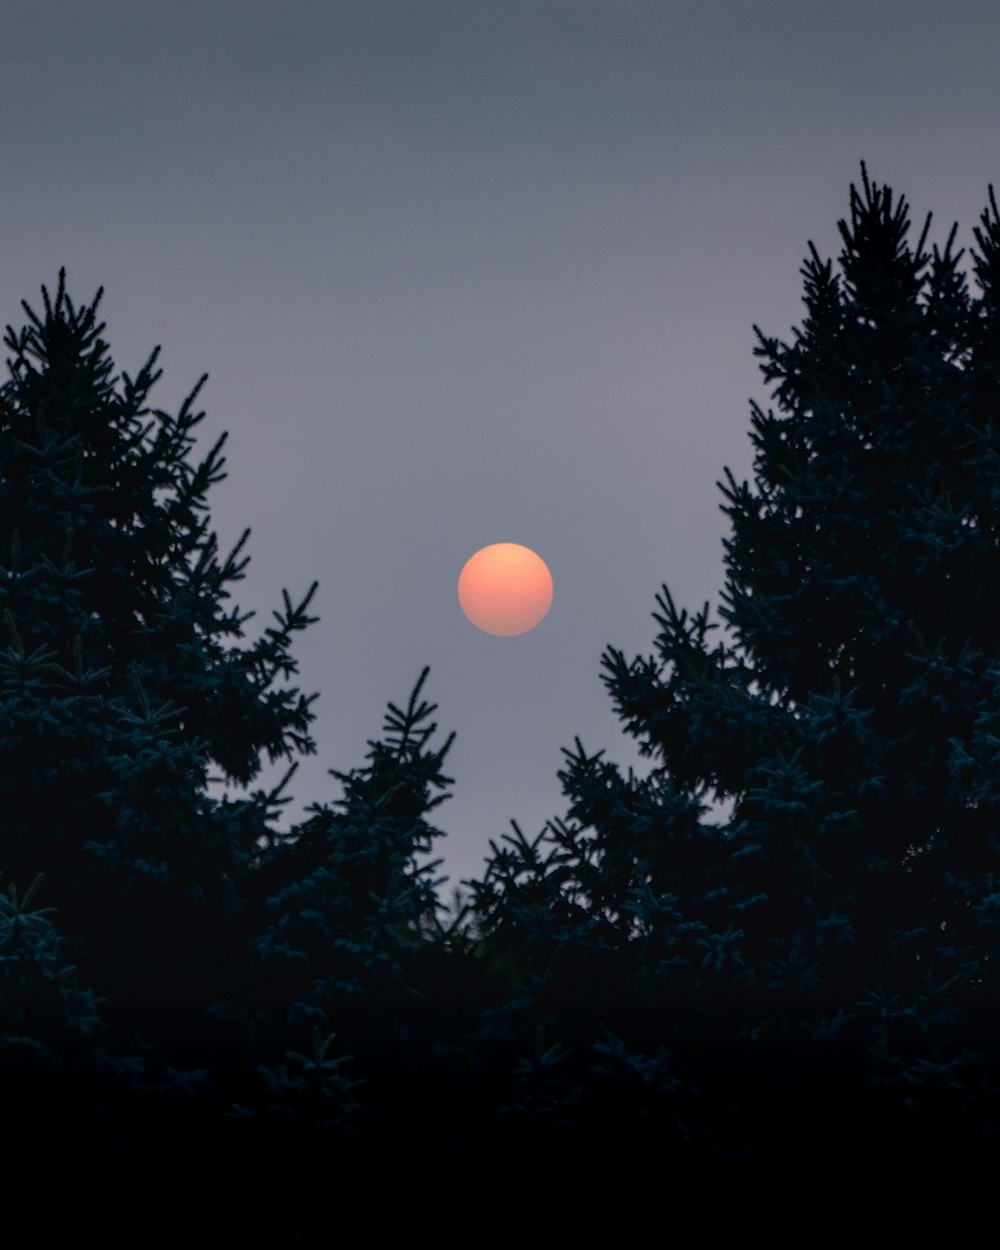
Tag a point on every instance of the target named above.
point(505, 589)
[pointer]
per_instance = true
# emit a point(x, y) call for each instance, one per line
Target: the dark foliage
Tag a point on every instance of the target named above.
point(118, 687)
point(824, 957)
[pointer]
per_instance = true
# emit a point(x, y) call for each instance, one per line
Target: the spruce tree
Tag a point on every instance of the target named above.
point(120, 687)
point(824, 957)
point(197, 976)
point(354, 943)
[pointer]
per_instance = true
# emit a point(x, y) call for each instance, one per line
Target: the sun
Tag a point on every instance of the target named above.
point(505, 589)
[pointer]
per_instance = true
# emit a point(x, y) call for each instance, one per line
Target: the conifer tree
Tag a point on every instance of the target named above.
point(120, 687)
point(201, 973)
point(354, 943)
point(826, 954)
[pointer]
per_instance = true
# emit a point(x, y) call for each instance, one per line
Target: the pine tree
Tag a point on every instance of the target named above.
point(355, 945)
point(825, 955)
point(119, 687)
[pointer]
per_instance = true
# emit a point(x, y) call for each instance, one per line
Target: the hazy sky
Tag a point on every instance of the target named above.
point(465, 273)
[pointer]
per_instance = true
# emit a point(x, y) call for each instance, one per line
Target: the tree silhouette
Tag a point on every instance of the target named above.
point(829, 950)
point(195, 974)
point(119, 689)
point(354, 911)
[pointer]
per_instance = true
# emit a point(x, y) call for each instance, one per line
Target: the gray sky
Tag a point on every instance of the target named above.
point(466, 273)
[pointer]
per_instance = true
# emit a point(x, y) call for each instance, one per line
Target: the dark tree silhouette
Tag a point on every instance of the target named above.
point(119, 690)
point(190, 974)
point(829, 950)
point(353, 930)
